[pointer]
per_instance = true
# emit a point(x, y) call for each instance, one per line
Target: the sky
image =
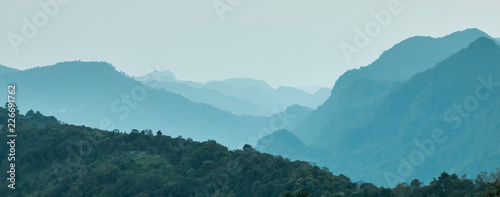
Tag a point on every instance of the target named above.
point(284, 42)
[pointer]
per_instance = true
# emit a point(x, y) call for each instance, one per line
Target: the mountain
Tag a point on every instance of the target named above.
point(356, 97)
point(452, 107)
point(240, 96)
point(209, 96)
point(54, 159)
point(283, 143)
point(95, 94)
point(358, 91)
point(442, 118)
point(284, 120)
point(288, 118)
point(271, 100)
point(7, 70)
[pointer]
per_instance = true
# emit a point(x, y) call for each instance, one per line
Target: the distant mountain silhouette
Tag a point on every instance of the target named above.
point(369, 121)
point(284, 143)
point(209, 96)
point(425, 103)
point(357, 91)
point(292, 115)
point(241, 96)
point(95, 94)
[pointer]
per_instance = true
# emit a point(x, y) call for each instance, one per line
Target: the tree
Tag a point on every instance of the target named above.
point(30, 113)
point(415, 183)
point(159, 133)
point(493, 190)
point(247, 147)
point(301, 193)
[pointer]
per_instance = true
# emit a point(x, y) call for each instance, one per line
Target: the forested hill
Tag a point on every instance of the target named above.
point(54, 159)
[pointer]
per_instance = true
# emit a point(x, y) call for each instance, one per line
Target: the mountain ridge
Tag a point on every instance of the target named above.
point(379, 120)
point(99, 96)
point(416, 53)
point(242, 96)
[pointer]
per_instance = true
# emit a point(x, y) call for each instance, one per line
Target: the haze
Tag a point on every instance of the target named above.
point(284, 42)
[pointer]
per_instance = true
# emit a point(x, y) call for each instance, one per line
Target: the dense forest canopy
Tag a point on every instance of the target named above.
point(56, 159)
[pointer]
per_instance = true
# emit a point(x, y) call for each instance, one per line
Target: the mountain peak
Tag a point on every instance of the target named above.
point(471, 32)
point(483, 43)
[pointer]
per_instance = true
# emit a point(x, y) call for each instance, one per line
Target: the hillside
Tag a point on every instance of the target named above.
point(377, 122)
point(357, 91)
point(442, 98)
point(56, 159)
point(95, 94)
point(453, 97)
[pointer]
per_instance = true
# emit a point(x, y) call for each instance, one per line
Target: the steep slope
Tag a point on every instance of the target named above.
point(452, 108)
point(95, 94)
point(345, 107)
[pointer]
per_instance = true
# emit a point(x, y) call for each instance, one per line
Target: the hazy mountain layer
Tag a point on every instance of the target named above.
point(358, 91)
point(442, 118)
point(95, 94)
point(238, 95)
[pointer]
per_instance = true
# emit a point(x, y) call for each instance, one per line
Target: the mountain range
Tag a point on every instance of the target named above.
point(242, 96)
point(95, 94)
point(425, 106)
point(374, 122)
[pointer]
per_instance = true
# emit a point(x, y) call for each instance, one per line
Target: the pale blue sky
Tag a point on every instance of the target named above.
point(285, 42)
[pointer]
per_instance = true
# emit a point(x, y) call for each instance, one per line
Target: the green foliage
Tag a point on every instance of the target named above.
point(64, 160)
point(493, 190)
point(301, 193)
